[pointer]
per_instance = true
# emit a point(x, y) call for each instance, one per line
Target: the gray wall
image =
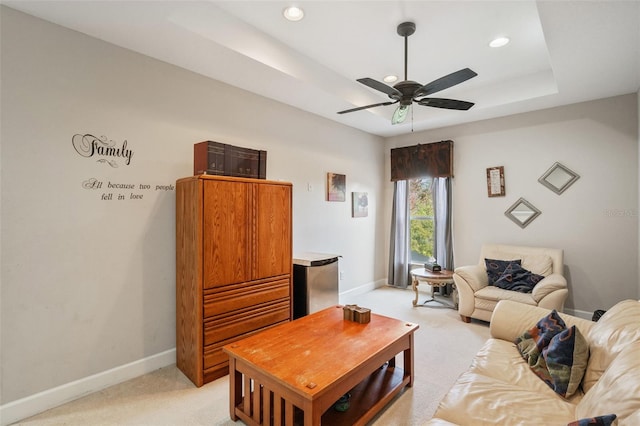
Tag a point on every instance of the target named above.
point(595, 221)
point(88, 283)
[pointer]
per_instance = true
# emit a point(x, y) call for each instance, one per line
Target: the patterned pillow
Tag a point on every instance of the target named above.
point(531, 343)
point(555, 353)
point(516, 278)
point(566, 358)
point(606, 420)
point(495, 268)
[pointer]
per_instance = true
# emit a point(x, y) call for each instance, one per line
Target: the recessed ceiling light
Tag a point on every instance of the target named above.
point(499, 42)
point(390, 78)
point(293, 13)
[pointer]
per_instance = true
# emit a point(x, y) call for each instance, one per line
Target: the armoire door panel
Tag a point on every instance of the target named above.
point(272, 254)
point(227, 207)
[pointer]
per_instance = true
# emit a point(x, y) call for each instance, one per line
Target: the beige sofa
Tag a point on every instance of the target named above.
point(500, 389)
point(477, 299)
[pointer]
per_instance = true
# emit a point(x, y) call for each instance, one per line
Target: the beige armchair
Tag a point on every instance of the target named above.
point(477, 298)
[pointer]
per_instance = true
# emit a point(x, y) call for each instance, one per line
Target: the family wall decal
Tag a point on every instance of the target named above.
point(88, 146)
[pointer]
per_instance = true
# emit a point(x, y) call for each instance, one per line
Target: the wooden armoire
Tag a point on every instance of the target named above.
point(233, 266)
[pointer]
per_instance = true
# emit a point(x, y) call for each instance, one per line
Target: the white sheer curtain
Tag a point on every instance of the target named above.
point(443, 250)
point(443, 238)
point(400, 255)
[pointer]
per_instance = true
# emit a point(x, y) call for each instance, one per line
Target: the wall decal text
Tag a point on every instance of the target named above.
point(88, 145)
point(123, 191)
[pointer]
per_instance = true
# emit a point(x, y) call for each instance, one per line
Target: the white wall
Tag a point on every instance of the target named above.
point(88, 284)
point(595, 221)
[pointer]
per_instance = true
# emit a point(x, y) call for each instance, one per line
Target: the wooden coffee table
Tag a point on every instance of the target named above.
point(294, 373)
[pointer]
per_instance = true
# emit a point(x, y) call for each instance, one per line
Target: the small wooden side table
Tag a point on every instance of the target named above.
point(434, 279)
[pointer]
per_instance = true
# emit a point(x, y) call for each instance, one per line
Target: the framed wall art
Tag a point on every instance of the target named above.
point(495, 181)
point(336, 187)
point(360, 204)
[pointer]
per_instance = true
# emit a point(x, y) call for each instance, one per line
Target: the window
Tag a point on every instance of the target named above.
point(421, 220)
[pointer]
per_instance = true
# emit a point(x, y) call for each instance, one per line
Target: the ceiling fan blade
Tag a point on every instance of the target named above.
point(374, 84)
point(445, 103)
point(445, 82)
point(365, 107)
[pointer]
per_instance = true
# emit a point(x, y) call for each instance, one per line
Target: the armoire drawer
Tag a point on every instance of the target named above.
point(240, 296)
point(213, 354)
point(245, 321)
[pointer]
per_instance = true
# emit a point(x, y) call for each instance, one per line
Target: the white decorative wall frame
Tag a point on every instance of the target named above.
point(558, 178)
point(522, 213)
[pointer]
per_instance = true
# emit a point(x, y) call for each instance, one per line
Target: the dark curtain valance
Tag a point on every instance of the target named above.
point(418, 161)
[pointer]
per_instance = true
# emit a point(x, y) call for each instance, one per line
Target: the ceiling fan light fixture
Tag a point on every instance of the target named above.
point(400, 114)
point(499, 41)
point(390, 78)
point(293, 13)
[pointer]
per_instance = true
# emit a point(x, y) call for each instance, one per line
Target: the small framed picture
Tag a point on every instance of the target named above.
point(360, 204)
point(495, 181)
point(336, 187)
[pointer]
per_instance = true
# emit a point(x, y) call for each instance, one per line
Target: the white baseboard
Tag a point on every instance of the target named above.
point(365, 288)
point(42, 401)
point(578, 313)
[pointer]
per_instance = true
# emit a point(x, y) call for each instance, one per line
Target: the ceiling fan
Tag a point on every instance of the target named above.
point(407, 92)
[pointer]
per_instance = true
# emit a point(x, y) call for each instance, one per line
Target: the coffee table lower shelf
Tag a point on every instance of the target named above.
point(367, 399)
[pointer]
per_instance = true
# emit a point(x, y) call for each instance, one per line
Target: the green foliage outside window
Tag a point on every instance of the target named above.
point(421, 223)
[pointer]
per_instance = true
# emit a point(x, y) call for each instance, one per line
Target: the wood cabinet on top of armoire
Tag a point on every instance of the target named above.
point(233, 266)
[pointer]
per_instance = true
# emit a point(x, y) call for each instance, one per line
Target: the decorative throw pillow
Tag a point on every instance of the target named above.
point(516, 278)
point(531, 343)
point(606, 420)
point(555, 353)
point(566, 358)
point(496, 267)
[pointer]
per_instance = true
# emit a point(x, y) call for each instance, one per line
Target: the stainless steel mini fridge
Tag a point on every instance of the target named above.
point(315, 282)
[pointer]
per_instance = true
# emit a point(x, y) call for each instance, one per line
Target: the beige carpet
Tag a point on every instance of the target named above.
point(444, 349)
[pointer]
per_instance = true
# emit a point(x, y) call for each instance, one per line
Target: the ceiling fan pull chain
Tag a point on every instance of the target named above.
point(411, 118)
